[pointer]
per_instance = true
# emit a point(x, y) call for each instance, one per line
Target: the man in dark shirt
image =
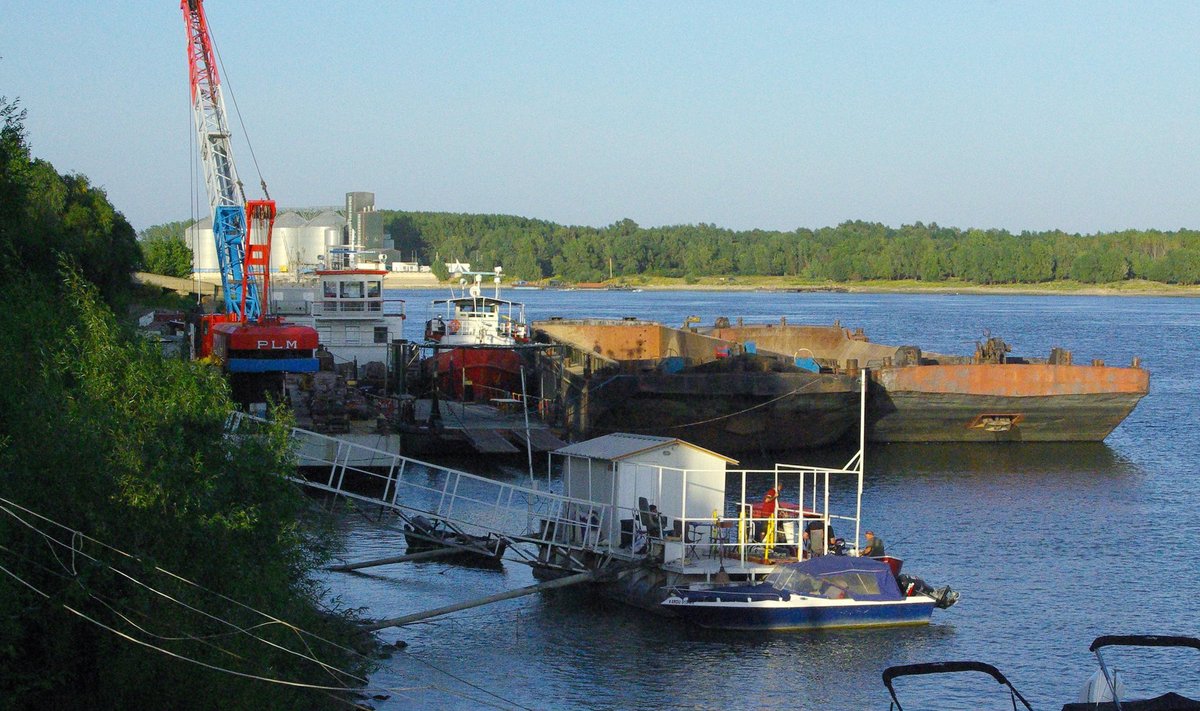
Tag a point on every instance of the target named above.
point(874, 547)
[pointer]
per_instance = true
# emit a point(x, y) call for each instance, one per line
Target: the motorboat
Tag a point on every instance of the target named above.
point(892, 673)
point(822, 592)
point(422, 534)
point(1104, 689)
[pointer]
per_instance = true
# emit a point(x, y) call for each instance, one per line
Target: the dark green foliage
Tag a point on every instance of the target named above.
point(106, 437)
point(43, 214)
point(165, 251)
point(852, 251)
point(112, 440)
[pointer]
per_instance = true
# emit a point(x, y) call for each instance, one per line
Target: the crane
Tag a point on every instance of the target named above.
point(246, 338)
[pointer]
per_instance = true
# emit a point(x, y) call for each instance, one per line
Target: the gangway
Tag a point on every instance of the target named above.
point(601, 521)
point(539, 527)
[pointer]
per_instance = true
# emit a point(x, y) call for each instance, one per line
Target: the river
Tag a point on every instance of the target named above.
point(1049, 545)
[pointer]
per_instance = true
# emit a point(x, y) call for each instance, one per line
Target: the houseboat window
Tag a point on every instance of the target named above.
point(352, 290)
point(331, 290)
point(373, 290)
point(381, 334)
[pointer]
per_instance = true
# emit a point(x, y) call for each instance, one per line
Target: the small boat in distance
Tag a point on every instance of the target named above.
point(820, 593)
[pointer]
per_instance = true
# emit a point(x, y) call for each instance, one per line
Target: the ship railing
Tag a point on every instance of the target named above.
point(358, 308)
point(700, 520)
point(466, 503)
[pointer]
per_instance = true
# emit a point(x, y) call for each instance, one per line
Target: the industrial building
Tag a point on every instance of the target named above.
point(301, 244)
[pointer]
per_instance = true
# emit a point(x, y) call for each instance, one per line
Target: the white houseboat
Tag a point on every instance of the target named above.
point(355, 322)
point(683, 534)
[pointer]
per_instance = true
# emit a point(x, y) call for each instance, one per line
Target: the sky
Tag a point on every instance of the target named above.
point(773, 115)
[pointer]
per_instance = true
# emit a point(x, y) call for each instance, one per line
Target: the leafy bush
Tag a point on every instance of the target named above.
point(115, 442)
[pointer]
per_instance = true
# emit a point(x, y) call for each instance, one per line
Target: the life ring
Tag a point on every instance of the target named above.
point(454, 326)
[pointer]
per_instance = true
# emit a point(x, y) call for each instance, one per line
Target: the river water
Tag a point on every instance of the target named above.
point(1049, 545)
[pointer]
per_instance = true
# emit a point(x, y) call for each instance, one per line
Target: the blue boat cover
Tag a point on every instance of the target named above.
point(838, 576)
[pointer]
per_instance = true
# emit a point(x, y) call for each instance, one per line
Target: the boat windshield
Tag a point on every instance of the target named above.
point(837, 577)
point(849, 584)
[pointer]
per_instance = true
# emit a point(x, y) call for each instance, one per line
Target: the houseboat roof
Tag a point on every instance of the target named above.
point(351, 272)
point(622, 445)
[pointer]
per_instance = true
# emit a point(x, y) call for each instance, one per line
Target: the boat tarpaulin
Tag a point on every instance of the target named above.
point(838, 576)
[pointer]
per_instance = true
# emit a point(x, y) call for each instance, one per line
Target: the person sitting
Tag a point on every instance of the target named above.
point(654, 522)
point(874, 547)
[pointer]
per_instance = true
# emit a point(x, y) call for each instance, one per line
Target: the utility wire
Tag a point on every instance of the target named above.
point(185, 605)
point(328, 668)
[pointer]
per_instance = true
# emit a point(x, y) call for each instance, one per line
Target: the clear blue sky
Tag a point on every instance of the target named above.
point(1020, 115)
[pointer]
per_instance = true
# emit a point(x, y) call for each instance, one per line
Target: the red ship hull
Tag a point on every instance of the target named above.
point(477, 373)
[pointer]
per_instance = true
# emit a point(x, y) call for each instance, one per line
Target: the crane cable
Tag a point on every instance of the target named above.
point(229, 85)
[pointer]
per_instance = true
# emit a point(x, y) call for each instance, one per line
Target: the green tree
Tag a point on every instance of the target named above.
point(116, 443)
point(165, 251)
point(43, 214)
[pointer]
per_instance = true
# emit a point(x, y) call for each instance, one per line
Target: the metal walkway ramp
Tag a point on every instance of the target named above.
point(540, 527)
point(489, 442)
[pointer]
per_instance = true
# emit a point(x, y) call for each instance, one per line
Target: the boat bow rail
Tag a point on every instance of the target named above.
point(527, 518)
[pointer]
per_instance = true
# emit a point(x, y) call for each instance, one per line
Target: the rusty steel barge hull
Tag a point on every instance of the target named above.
point(733, 412)
point(929, 397)
point(990, 403)
point(644, 377)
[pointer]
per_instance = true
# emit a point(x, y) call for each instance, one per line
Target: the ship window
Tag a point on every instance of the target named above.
point(352, 290)
point(351, 336)
point(331, 290)
point(381, 334)
point(373, 290)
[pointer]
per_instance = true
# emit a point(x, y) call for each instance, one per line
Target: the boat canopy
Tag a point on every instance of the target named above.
point(837, 577)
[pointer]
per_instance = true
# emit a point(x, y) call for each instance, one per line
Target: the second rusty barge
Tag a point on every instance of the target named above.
point(779, 386)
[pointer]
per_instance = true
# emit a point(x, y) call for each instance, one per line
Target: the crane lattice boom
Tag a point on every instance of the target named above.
point(225, 195)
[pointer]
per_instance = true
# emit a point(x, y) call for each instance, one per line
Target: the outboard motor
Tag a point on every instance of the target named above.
point(943, 597)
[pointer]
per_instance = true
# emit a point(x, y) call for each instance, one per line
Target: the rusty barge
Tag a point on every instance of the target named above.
point(646, 378)
point(988, 396)
point(769, 387)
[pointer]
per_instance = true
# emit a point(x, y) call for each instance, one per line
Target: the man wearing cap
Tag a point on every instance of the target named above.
point(874, 547)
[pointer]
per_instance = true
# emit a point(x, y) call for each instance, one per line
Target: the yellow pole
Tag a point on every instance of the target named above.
point(769, 538)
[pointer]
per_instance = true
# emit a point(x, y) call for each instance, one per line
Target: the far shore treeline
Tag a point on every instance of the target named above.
point(852, 251)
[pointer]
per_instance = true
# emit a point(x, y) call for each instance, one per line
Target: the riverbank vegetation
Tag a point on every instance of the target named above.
point(846, 254)
point(146, 559)
point(860, 254)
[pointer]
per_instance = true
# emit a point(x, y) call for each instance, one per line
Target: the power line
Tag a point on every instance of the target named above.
point(301, 633)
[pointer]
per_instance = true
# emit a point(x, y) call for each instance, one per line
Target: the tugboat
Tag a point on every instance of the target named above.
point(475, 339)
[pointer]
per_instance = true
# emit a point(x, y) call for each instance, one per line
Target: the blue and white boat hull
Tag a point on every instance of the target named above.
point(798, 612)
